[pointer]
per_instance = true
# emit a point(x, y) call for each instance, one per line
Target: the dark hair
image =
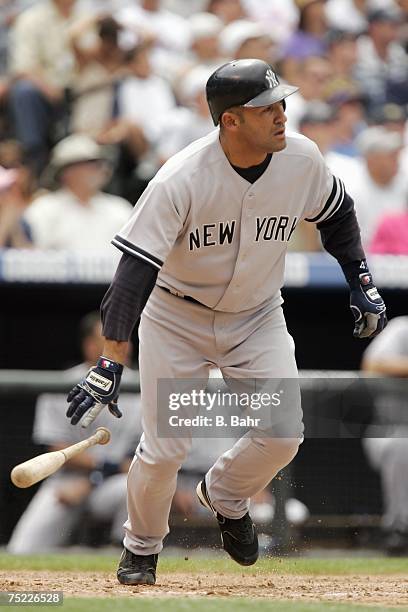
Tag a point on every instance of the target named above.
point(87, 325)
point(108, 29)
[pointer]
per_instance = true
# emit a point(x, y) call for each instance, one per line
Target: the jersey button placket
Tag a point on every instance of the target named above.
point(249, 205)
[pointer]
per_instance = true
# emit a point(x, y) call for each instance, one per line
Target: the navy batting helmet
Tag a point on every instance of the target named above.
point(246, 82)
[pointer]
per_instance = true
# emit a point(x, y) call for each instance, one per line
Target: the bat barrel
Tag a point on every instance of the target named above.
point(28, 473)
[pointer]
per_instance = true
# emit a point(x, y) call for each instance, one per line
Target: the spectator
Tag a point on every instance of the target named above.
point(279, 17)
point(342, 55)
point(169, 32)
point(204, 50)
point(348, 103)
point(380, 187)
point(319, 124)
point(12, 233)
point(94, 482)
point(42, 65)
point(57, 220)
point(382, 64)
point(205, 31)
point(387, 355)
point(191, 121)
point(144, 102)
point(99, 68)
point(12, 157)
point(314, 73)
point(394, 118)
point(244, 39)
point(227, 10)
point(9, 11)
point(309, 38)
point(348, 15)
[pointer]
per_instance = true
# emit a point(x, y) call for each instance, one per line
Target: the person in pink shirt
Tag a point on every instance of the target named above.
point(391, 235)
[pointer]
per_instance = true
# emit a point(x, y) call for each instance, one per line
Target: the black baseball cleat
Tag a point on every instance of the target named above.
point(137, 569)
point(238, 536)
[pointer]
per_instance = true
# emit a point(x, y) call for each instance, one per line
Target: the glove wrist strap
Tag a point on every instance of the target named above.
point(111, 366)
point(353, 272)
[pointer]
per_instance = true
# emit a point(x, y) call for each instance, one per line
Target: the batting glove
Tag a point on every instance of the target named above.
point(100, 388)
point(366, 303)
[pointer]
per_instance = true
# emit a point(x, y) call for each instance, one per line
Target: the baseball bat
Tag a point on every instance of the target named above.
point(28, 473)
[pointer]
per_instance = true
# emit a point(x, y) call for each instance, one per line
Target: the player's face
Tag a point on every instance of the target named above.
point(263, 128)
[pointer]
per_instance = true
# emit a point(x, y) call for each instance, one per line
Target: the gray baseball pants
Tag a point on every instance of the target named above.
point(183, 340)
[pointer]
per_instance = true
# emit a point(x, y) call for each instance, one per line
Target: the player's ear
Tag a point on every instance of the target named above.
point(230, 120)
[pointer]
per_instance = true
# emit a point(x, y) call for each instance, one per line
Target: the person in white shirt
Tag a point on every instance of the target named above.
point(188, 122)
point(280, 17)
point(204, 49)
point(169, 31)
point(380, 186)
point(349, 15)
point(144, 99)
point(205, 31)
point(58, 220)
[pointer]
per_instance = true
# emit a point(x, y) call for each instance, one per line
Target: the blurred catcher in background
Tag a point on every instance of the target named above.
point(94, 482)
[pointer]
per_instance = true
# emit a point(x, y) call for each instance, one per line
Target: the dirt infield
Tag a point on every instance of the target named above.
point(369, 589)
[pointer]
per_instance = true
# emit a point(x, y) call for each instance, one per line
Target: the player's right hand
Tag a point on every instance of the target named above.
point(99, 387)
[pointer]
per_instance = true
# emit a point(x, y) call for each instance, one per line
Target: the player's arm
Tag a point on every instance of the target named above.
point(145, 241)
point(120, 309)
point(340, 234)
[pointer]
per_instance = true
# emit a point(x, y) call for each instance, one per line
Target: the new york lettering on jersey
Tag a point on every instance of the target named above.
point(218, 238)
point(267, 228)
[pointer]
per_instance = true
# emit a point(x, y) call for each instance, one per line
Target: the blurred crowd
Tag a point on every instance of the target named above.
point(95, 95)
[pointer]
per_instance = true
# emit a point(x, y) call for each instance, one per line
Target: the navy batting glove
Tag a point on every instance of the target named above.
point(101, 386)
point(366, 303)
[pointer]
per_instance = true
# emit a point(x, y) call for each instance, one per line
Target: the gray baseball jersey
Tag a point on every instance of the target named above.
point(218, 238)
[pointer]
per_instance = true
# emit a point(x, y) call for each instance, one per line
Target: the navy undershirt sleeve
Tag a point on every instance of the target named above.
point(125, 299)
point(340, 234)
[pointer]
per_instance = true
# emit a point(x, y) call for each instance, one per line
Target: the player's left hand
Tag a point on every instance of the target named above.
point(367, 307)
point(99, 388)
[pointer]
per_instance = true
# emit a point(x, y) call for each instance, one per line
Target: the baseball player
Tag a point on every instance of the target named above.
point(203, 258)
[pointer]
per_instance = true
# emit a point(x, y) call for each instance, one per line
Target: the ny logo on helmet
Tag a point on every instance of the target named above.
point(271, 78)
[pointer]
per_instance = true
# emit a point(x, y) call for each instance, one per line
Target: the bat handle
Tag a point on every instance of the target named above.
point(91, 415)
point(101, 436)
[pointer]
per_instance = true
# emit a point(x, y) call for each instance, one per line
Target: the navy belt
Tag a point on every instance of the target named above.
point(183, 297)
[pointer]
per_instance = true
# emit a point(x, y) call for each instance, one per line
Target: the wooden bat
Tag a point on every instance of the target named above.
point(28, 473)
